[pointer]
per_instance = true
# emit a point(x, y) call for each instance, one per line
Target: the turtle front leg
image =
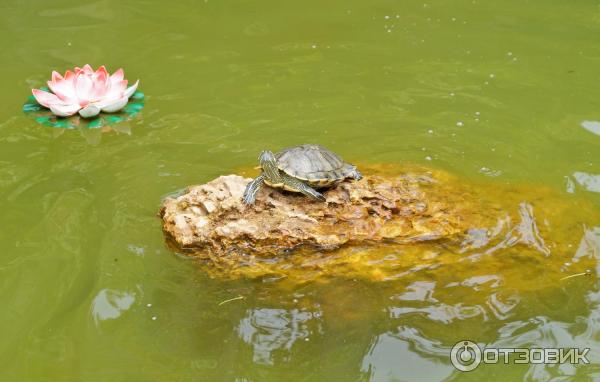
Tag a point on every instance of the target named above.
point(303, 188)
point(252, 188)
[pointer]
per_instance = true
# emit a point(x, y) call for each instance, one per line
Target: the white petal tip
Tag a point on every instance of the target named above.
point(63, 110)
point(130, 90)
point(89, 111)
point(115, 106)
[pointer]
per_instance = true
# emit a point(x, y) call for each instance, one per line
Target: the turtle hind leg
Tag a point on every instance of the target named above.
point(303, 188)
point(252, 188)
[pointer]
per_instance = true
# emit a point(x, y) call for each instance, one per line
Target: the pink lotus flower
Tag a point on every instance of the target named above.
point(85, 92)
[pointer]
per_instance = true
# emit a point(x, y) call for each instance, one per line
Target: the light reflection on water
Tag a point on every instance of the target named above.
point(110, 304)
point(271, 330)
point(589, 182)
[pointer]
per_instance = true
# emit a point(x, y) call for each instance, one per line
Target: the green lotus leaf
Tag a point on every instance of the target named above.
point(44, 116)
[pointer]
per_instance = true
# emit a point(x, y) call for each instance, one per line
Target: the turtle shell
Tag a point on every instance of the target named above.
point(313, 164)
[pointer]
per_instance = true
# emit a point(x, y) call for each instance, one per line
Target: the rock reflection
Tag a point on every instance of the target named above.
point(276, 330)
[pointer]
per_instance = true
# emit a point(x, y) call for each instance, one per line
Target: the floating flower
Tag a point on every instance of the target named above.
point(86, 92)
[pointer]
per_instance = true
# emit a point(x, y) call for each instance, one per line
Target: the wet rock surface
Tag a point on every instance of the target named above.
point(398, 209)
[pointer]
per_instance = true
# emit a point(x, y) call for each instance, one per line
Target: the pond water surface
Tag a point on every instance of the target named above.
point(500, 94)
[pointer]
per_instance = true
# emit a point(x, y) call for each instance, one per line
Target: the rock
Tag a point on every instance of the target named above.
point(397, 223)
point(397, 209)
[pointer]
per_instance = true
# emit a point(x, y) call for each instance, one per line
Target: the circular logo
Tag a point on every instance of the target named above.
point(465, 355)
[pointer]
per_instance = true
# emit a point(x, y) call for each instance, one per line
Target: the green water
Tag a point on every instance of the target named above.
point(490, 91)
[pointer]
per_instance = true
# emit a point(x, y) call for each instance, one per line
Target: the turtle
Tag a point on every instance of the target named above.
point(302, 169)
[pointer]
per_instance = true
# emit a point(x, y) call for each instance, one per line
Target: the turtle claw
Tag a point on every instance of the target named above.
point(248, 200)
point(320, 197)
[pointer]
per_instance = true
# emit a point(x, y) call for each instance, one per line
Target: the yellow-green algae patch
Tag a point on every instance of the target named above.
point(525, 236)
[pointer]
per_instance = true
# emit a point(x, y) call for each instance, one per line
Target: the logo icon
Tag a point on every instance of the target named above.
point(465, 355)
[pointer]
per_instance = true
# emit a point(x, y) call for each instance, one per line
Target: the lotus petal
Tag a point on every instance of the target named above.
point(63, 110)
point(56, 76)
point(62, 88)
point(117, 76)
point(89, 111)
point(130, 90)
point(100, 86)
point(87, 69)
point(115, 90)
point(45, 98)
point(83, 88)
point(69, 76)
point(115, 106)
point(102, 79)
point(101, 69)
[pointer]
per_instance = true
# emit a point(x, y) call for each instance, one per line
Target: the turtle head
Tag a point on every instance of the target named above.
point(354, 173)
point(266, 157)
point(268, 162)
